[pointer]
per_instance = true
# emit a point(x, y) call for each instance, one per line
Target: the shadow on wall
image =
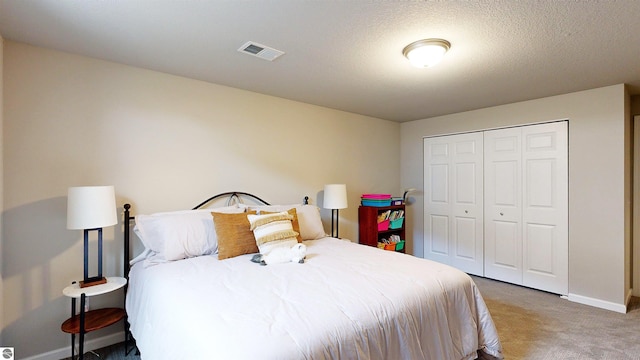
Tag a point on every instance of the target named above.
point(40, 257)
point(34, 234)
point(38, 331)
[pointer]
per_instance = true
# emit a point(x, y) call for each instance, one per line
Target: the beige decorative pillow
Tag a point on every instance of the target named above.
point(294, 222)
point(273, 230)
point(311, 227)
point(234, 235)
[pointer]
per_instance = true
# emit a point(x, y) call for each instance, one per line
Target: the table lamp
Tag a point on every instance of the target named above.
point(91, 208)
point(335, 198)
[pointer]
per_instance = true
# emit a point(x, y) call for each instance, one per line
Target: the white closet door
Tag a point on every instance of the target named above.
point(545, 207)
point(437, 203)
point(503, 205)
point(453, 201)
point(526, 206)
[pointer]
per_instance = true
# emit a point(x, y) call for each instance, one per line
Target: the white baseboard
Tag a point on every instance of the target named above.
point(607, 305)
point(92, 344)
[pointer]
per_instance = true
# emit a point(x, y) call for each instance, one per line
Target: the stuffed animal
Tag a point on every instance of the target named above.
point(296, 253)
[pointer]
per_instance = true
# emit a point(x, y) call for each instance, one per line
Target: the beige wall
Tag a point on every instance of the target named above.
point(598, 180)
point(166, 143)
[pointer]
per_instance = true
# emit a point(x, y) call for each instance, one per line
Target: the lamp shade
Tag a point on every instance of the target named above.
point(91, 207)
point(335, 196)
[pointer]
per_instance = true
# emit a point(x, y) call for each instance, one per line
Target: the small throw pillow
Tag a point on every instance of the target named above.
point(234, 235)
point(273, 230)
point(294, 222)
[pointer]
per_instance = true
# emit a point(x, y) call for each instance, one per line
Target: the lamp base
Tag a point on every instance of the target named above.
point(93, 281)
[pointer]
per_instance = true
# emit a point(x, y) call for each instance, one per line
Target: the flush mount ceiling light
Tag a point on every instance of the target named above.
point(426, 52)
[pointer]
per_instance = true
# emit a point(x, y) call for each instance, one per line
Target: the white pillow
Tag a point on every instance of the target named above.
point(179, 235)
point(309, 219)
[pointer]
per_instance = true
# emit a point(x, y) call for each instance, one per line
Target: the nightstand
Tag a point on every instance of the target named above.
point(85, 322)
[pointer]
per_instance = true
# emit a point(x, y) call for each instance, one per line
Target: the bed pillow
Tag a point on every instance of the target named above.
point(295, 223)
point(177, 235)
point(234, 234)
point(309, 220)
point(311, 227)
point(272, 231)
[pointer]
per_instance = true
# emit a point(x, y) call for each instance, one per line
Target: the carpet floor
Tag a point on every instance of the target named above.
point(536, 325)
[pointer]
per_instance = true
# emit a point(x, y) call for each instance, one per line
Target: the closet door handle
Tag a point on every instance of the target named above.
point(466, 211)
point(501, 214)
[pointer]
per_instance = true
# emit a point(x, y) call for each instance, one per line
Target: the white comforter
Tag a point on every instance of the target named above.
point(347, 301)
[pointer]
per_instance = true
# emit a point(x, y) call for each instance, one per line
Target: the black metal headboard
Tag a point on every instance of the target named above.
point(231, 195)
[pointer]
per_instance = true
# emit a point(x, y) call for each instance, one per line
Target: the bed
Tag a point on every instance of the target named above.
point(346, 301)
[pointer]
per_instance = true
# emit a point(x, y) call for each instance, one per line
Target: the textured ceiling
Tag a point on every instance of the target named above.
point(347, 55)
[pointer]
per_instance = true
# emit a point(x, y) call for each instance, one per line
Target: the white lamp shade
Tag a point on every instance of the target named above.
point(91, 207)
point(335, 196)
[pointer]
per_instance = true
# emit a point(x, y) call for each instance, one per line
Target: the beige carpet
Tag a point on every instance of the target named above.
point(537, 325)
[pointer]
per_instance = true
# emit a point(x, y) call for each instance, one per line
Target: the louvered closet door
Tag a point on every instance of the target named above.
point(453, 201)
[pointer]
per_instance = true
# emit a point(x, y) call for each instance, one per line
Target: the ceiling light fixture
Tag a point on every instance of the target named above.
point(426, 52)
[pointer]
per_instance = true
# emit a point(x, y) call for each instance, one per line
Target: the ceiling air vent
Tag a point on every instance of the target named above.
point(261, 51)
